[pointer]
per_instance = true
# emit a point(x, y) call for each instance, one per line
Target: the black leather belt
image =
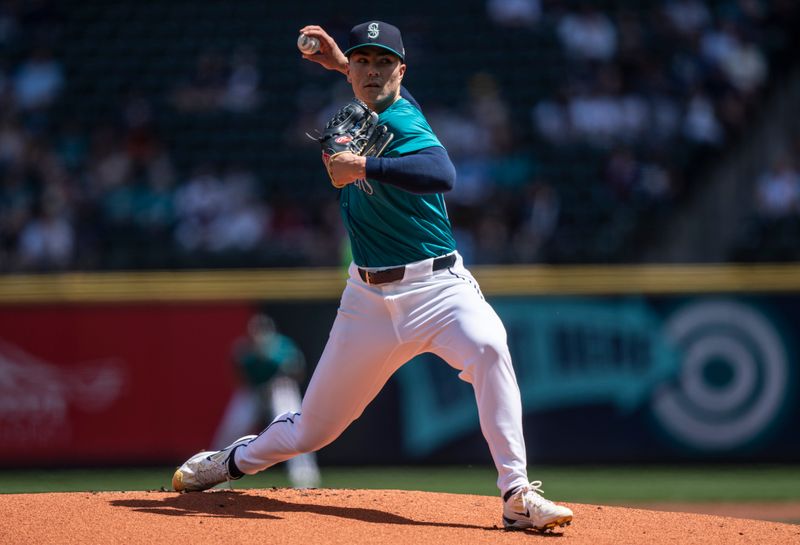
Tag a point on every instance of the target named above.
point(396, 273)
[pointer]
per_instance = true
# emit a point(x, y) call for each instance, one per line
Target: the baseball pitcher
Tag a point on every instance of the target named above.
point(408, 291)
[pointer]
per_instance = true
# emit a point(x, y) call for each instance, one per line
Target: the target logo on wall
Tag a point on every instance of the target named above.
point(733, 378)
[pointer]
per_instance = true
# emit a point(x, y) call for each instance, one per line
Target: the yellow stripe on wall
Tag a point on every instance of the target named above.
point(634, 279)
point(327, 283)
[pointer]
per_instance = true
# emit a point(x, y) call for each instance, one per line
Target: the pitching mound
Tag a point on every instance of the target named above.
point(347, 517)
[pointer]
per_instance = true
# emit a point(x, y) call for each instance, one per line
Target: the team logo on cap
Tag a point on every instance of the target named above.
point(373, 31)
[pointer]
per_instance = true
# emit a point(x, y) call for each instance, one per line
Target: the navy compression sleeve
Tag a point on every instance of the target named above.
point(428, 170)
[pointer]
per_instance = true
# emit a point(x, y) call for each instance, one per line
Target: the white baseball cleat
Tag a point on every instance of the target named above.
point(526, 508)
point(206, 469)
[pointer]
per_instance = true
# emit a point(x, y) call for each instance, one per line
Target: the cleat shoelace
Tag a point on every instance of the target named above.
point(535, 487)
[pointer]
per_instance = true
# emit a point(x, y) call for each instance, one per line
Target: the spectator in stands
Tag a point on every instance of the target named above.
point(745, 66)
point(595, 118)
point(718, 41)
point(654, 184)
point(700, 124)
point(108, 163)
point(242, 220)
point(600, 113)
point(459, 132)
point(778, 191)
point(220, 214)
point(688, 17)
point(198, 202)
point(38, 80)
point(240, 229)
point(154, 209)
point(514, 13)
point(631, 91)
point(47, 242)
point(588, 34)
point(549, 117)
point(242, 92)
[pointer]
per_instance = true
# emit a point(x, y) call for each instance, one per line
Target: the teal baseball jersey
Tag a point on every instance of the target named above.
point(260, 362)
point(389, 226)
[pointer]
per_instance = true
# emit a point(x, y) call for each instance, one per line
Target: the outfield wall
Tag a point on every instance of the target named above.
point(615, 364)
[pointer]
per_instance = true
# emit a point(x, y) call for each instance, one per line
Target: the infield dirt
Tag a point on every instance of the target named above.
point(329, 516)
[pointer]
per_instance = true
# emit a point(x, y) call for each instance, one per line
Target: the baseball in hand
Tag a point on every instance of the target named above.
point(307, 44)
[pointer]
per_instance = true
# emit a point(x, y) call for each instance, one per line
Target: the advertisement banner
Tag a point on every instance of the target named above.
point(123, 383)
point(664, 378)
point(603, 379)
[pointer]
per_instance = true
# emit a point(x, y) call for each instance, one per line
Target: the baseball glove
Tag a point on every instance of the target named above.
point(353, 128)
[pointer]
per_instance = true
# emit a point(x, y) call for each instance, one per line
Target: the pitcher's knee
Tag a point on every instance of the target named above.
point(486, 356)
point(491, 352)
point(490, 343)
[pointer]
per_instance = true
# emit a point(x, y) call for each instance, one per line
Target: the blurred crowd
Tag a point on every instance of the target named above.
point(645, 91)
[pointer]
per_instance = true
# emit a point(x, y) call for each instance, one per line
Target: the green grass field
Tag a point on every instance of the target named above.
point(576, 484)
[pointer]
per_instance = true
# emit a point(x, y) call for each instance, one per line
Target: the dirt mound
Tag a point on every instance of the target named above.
point(285, 516)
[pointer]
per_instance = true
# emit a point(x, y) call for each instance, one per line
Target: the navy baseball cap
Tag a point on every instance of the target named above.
point(377, 34)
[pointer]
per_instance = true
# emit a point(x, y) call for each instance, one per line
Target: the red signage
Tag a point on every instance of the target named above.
point(118, 383)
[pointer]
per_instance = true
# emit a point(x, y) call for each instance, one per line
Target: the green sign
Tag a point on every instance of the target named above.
point(714, 372)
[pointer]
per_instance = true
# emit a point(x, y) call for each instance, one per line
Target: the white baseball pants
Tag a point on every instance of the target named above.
point(246, 412)
point(378, 329)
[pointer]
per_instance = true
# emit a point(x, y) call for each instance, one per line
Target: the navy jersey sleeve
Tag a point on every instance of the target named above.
point(406, 95)
point(428, 170)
